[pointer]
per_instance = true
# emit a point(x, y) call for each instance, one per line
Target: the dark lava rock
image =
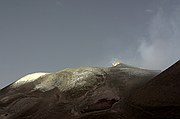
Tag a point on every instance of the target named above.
point(92, 93)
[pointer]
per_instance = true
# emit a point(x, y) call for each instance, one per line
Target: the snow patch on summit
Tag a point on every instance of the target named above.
point(28, 78)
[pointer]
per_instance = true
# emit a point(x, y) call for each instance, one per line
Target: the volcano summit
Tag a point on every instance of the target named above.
point(118, 92)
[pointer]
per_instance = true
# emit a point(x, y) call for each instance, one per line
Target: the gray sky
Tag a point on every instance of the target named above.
point(50, 35)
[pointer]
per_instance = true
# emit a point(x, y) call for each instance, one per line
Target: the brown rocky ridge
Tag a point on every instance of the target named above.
point(118, 92)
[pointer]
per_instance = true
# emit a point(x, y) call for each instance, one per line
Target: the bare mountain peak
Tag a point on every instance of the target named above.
point(121, 91)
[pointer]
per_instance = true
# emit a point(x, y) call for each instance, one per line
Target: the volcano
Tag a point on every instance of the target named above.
point(118, 92)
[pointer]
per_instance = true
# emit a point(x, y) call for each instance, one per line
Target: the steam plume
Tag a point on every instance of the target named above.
point(162, 45)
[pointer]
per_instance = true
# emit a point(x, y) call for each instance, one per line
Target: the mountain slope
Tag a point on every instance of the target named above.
point(79, 93)
point(161, 95)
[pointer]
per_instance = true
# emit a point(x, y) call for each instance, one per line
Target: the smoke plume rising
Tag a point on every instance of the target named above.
point(161, 47)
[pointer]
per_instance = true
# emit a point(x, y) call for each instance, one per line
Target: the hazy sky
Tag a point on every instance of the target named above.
point(50, 35)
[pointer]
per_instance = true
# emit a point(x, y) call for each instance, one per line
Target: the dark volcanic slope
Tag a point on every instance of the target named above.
point(161, 95)
point(86, 93)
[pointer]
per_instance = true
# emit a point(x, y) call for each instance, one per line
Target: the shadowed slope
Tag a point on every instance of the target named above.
point(161, 95)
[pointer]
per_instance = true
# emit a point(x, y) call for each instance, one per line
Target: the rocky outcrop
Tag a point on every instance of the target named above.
point(81, 93)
